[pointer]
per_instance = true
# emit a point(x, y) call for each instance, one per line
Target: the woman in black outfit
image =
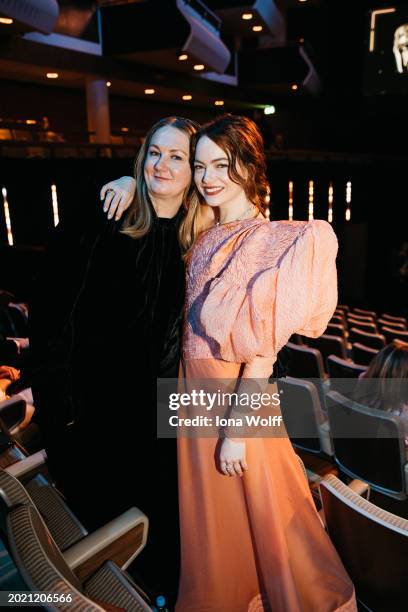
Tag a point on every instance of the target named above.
point(105, 323)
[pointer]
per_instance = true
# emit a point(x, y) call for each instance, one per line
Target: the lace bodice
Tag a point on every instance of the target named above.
point(251, 284)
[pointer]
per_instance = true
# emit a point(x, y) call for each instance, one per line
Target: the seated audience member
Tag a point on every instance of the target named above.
point(390, 363)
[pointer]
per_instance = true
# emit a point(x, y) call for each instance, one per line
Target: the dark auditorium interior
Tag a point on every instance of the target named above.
point(326, 82)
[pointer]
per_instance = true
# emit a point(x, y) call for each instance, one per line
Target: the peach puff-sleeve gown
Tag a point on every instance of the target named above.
point(254, 543)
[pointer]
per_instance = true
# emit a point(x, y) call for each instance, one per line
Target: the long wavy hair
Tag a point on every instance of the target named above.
point(140, 214)
point(390, 363)
point(242, 142)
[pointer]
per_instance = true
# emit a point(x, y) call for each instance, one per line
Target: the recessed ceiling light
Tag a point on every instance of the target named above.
point(108, 83)
point(149, 92)
point(6, 20)
point(187, 97)
point(52, 75)
point(295, 87)
point(31, 121)
point(257, 28)
point(246, 16)
point(199, 67)
point(124, 129)
point(183, 57)
point(219, 103)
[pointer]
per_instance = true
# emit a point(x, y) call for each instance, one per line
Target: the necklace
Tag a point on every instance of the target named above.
point(247, 210)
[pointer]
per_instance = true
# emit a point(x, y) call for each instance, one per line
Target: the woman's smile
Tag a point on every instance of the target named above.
point(212, 191)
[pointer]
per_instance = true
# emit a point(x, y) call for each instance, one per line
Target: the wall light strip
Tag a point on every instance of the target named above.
point(7, 217)
point(348, 200)
point(330, 211)
point(311, 200)
point(290, 209)
point(54, 198)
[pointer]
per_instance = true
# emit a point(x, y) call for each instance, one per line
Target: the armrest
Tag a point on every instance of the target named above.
point(360, 487)
point(120, 541)
point(29, 465)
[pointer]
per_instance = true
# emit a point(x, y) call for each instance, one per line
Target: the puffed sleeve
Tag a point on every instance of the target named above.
point(283, 282)
point(306, 291)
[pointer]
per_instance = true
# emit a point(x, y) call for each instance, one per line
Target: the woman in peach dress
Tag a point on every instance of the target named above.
point(251, 539)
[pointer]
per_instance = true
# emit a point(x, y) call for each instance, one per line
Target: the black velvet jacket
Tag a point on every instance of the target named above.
point(105, 322)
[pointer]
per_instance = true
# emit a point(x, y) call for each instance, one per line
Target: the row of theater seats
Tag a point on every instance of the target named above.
point(50, 550)
point(357, 335)
point(322, 417)
point(320, 412)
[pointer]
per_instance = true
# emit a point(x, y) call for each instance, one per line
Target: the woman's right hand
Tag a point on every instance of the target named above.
point(118, 196)
point(232, 457)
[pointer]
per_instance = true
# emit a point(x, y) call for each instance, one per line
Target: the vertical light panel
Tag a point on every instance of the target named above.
point(268, 201)
point(54, 198)
point(290, 210)
point(330, 200)
point(311, 200)
point(7, 217)
point(348, 201)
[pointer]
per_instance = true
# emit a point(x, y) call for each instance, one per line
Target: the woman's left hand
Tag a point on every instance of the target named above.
point(118, 196)
point(232, 457)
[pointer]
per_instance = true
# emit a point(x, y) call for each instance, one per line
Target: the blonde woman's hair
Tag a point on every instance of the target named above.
point(139, 218)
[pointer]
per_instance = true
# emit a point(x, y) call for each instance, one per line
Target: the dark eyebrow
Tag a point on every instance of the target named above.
point(197, 161)
point(171, 150)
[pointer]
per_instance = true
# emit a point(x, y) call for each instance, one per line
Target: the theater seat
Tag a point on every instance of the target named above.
point(363, 312)
point(303, 415)
point(44, 568)
point(363, 354)
point(375, 341)
point(394, 334)
point(328, 345)
point(368, 327)
point(341, 368)
point(61, 522)
point(127, 533)
point(306, 362)
point(12, 414)
point(372, 544)
point(368, 444)
point(394, 319)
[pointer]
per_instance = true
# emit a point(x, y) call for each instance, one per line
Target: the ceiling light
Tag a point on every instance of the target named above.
point(52, 75)
point(183, 57)
point(187, 97)
point(219, 103)
point(108, 83)
point(269, 110)
point(149, 92)
point(294, 87)
point(6, 20)
point(124, 129)
point(31, 121)
point(257, 28)
point(246, 16)
point(199, 67)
